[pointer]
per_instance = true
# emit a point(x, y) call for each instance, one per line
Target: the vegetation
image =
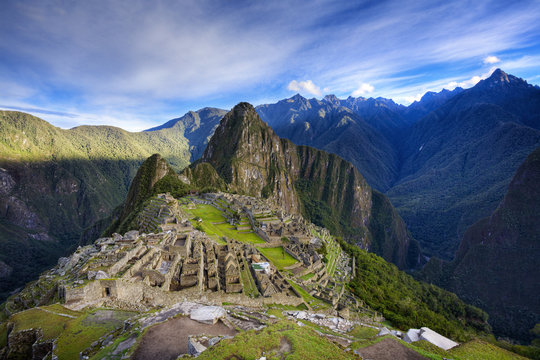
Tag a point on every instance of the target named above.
point(408, 303)
point(214, 223)
point(282, 340)
point(278, 256)
point(249, 286)
point(74, 331)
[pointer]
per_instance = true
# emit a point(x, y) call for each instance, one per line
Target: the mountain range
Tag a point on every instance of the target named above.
point(444, 162)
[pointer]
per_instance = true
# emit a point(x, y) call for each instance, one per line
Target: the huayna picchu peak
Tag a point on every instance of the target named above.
point(251, 159)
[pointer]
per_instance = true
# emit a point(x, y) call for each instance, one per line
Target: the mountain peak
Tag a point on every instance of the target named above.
point(332, 99)
point(499, 75)
point(501, 79)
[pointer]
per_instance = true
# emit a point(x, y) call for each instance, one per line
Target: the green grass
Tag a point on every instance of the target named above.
point(250, 289)
point(304, 342)
point(84, 330)
point(307, 276)
point(3, 335)
point(73, 334)
point(52, 325)
point(315, 303)
point(481, 350)
point(363, 332)
point(278, 256)
point(211, 215)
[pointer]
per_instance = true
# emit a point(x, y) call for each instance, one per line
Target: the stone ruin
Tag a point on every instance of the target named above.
point(176, 261)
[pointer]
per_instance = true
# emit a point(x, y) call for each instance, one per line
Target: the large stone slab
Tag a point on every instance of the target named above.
point(430, 336)
point(437, 339)
point(208, 314)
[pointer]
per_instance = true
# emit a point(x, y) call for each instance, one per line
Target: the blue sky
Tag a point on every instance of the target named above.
point(136, 64)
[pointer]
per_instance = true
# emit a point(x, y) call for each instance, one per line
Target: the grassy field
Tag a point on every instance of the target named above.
point(211, 217)
point(278, 256)
point(481, 350)
point(284, 340)
point(73, 330)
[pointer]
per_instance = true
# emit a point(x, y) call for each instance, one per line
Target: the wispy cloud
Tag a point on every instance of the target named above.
point(364, 89)
point(149, 59)
point(305, 87)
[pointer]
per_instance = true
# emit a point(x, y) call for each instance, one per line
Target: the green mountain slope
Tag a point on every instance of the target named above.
point(458, 160)
point(56, 183)
point(497, 264)
point(329, 191)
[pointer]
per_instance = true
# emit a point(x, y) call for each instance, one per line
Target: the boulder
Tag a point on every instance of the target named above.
point(412, 335)
point(384, 331)
point(208, 314)
point(131, 235)
point(195, 348)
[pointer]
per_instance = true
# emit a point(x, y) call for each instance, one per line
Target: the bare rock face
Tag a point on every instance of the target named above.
point(17, 212)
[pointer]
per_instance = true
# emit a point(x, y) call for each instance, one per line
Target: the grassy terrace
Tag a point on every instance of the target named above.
point(307, 276)
point(316, 304)
point(250, 288)
point(283, 340)
point(214, 223)
point(333, 250)
point(278, 256)
point(74, 331)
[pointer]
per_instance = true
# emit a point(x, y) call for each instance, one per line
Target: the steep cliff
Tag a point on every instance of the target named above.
point(251, 159)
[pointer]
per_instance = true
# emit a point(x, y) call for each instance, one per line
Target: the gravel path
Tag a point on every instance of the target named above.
point(388, 349)
point(170, 339)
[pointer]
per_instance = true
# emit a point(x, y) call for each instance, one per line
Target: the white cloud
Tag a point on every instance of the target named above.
point(469, 82)
point(364, 89)
point(411, 99)
point(305, 87)
point(491, 60)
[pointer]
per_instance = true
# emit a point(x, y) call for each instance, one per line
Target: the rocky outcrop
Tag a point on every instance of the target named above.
point(251, 159)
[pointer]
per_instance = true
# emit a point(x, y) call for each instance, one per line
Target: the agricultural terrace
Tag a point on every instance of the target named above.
point(278, 256)
point(215, 223)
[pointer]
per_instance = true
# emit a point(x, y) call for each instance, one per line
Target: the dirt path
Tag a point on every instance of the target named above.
point(170, 339)
point(389, 349)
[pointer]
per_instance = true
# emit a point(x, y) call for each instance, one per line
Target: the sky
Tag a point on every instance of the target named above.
point(136, 64)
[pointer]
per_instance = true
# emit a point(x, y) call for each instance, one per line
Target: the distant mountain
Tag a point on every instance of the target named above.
point(428, 103)
point(458, 160)
point(497, 264)
point(197, 127)
point(251, 159)
point(330, 126)
point(56, 184)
